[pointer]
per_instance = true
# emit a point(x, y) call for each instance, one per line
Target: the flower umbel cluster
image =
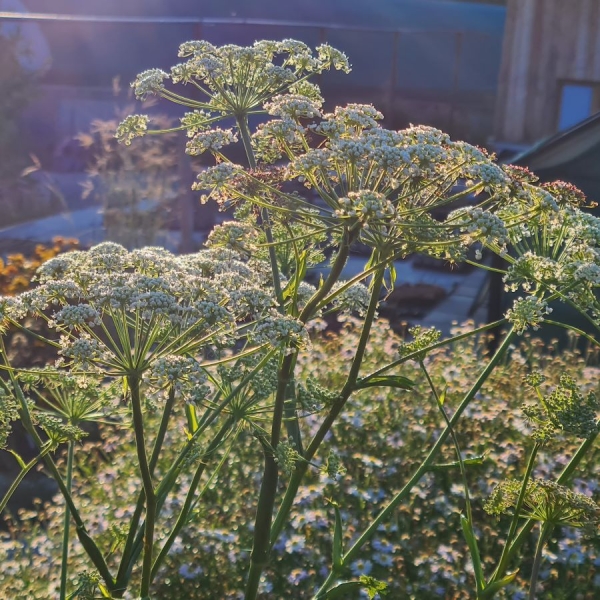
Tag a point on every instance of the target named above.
point(286, 456)
point(233, 81)
point(546, 501)
point(527, 312)
point(422, 339)
point(118, 310)
point(565, 409)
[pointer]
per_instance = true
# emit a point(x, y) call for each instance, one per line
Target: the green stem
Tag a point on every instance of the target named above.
point(461, 464)
point(334, 275)
point(184, 514)
point(162, 430)
point(87, 542)
point(268, 489)
point(471, 541)
point(139, 507)
point(505, 556)
point(242, 123)
point(266, 500)
point(146, 475)
point(19, 478)
point(415, 355)
point(335, 410)
point(423, 468)
point(66, 524)
point(545, 530)
point(528, 525)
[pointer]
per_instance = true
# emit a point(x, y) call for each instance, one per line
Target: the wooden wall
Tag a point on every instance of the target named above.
point(545, 43)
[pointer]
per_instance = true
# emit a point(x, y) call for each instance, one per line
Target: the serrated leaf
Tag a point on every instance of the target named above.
point(393, 381)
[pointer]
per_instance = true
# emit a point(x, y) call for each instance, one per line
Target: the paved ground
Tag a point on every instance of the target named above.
point(86, 225)
point(462, 304)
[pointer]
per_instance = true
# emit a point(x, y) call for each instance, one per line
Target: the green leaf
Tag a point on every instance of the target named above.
point(337, 538)
point(474, 550)
point(495, 587)
point(393, 381)
point(17, 458)
point(343, 590)
point(192, 418)
point(393, 274)
point(474, 460)
point(370, 262)
point(442, 397)
point(296, 280)
point(373, 586)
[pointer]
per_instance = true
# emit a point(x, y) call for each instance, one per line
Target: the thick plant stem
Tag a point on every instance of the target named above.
point(262, 525)
point(146, 475)
point(268, 489)
point(124, 566)
point(335, 410)
point(262, 532)
point(66, 522)
point(266, 501)
point(420, 472)
point(545, 530)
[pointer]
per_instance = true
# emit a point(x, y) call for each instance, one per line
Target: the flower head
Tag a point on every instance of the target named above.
point(546, 501)
point(564, 409)
point(527, 312)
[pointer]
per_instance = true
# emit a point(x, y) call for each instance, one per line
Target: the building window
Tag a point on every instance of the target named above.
point(578, 101)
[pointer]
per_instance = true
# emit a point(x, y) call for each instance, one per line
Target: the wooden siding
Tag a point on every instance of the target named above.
point(546, 42)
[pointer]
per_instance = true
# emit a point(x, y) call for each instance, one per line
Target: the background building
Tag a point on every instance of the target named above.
point(550, 74)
